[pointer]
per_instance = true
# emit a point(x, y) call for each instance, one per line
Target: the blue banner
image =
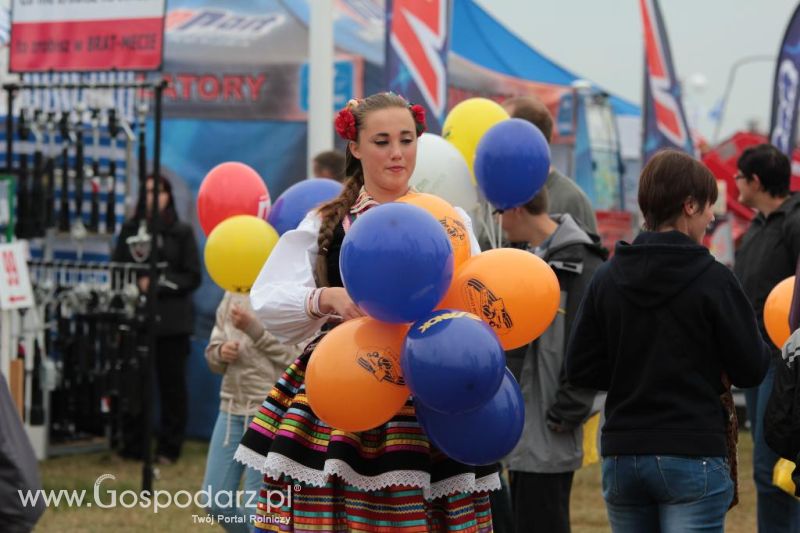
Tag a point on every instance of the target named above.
point(417, 42)
point(785, 94)
point(664, 119)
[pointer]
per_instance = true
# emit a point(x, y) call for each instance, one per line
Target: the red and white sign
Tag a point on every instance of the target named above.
point(86, 35)
point(15, 284)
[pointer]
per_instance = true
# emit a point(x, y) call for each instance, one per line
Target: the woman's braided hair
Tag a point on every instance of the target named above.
point(332, 213)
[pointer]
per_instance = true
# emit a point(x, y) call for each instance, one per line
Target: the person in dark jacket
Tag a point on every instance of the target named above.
point(663, 327)
point(174, 244)
point(19, 471)
point(544, 461)
point(766, 256)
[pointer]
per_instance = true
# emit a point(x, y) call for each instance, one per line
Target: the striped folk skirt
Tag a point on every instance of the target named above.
point(388, 479)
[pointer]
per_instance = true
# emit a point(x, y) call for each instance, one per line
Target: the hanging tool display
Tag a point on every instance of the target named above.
point(94, 174)
point(92, 358)
point(70, 167)
point(78, 228)
point(111, 189)
point(37, 205)
point(23, 195)
point(67, 139)
point(141, 111)
point(49, 172)
point(87, 350)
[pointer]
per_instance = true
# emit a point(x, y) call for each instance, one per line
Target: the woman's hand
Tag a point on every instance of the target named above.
point(336, 301)
point(229, 351)
point(241, 318)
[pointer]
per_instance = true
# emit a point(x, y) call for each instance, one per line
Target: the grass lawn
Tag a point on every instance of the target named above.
point(80, 472)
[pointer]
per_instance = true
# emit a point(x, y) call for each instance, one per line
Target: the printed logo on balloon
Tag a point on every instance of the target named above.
point(482, 301)
point(445, 316)
point(383, 364)
point(455, 229)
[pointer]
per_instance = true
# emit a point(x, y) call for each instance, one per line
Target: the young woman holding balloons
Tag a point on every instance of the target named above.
point(387, 478)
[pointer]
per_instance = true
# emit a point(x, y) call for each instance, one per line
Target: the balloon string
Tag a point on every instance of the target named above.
point(493, 224)
point(499, 230)
point(485, 222)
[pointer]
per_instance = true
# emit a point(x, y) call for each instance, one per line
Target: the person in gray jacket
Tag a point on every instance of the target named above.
point(551, 448)
point(251, 360)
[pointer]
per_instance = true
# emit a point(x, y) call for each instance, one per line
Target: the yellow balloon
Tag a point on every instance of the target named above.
point(468, 121)
point(236, 250)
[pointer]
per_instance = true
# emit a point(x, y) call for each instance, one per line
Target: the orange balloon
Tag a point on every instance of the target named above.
point(353, 380)
point(450, 220)
point(776, 311)
point(513, 291)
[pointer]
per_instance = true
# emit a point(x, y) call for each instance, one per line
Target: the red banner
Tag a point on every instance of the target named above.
point(116, 35)
point(614, 226)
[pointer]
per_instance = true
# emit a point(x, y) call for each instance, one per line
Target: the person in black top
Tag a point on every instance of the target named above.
point(664, 328)
point(766, 256)
point(176, 245)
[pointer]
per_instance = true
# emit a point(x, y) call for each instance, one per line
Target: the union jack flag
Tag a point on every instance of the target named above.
point(416, 54)
point(664, 120)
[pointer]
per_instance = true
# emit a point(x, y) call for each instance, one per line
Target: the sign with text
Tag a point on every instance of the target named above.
point(86, 35)
point(15, 284)
point(267, 92)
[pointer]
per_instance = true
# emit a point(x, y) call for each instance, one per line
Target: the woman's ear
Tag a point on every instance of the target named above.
point(353, 145)
point(691, 206)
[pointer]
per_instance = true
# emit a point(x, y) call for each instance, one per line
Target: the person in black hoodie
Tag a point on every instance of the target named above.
point(665, 329)
point(176, 245)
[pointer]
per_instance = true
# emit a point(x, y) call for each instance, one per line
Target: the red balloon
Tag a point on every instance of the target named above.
point(231, 189)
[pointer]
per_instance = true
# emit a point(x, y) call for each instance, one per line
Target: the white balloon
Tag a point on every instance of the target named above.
point(441, 170)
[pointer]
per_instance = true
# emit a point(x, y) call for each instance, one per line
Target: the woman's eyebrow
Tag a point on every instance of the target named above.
point(385, 134)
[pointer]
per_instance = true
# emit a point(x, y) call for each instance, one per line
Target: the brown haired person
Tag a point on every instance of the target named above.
point(767, 254)
point(551, 448)
point(365, 481)
point(565, 195)
point(329, 164)
point(663, 328)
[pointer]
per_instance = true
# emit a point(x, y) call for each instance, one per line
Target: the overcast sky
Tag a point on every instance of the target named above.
point(602, 41)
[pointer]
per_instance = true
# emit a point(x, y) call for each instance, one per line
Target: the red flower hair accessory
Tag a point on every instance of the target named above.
point(419, 118)
point(345, 122)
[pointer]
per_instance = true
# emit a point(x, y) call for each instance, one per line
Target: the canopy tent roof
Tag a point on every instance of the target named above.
point(480, 38)
point(477, 36)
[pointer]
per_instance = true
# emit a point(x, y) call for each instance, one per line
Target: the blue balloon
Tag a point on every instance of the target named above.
point(482, 436)
point(292, 206)
point(396, 262)
point(453, 361)
point(512, 162)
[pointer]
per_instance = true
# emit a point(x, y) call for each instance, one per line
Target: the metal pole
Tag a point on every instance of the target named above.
point(729, 85)
point(152, 293)
point(320, 80)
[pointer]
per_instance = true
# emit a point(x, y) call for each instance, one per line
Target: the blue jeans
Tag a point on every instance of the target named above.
point(778, 512)
point(666, 493)
point(223, 476)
